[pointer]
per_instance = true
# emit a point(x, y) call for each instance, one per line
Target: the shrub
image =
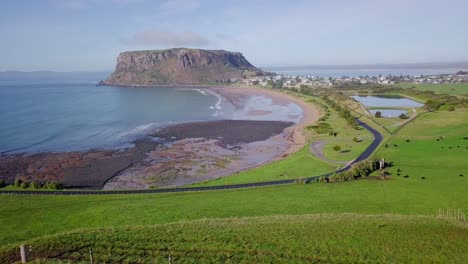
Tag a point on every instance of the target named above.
point(451, 108)
point(35, 185)
point(342, 177)
point(18, 182)
point(360, 169)
point(432, 105)
point(302, 180)
point(337, 148)
point(2, 183)
point(403, 116)
point(321, 128)
point(54, 186)
point(322, 179)
point(24, 185)
point(364, 168)
point(355, 139)
point(378, 114)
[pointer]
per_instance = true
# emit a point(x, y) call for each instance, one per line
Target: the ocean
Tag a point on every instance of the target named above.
point(53, 117)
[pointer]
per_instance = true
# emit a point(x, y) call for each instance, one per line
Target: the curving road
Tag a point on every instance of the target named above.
point(364, 155)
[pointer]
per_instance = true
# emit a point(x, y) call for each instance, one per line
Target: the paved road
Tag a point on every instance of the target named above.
point(363, 156)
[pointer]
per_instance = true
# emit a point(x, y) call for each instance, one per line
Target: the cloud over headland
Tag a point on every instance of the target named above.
point(158, 37)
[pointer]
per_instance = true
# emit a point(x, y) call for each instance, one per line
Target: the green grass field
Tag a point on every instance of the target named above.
point(349, 149)
point(417, 153)
point(328, 238)
point(452, 89)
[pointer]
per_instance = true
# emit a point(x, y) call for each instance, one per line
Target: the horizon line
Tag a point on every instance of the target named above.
point(423, 65)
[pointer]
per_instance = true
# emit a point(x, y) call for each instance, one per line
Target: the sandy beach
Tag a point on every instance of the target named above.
point(310, 113)
point(267, 126)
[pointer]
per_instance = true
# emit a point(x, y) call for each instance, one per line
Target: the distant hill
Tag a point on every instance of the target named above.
point(180, 66)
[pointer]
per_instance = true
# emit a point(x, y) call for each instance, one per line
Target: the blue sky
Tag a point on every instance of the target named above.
point(87, 35)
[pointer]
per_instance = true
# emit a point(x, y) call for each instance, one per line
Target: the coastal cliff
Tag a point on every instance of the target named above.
point(180, 66)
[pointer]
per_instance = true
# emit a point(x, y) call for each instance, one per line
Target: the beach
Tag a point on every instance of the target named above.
point(265, 126)
point(216, 150)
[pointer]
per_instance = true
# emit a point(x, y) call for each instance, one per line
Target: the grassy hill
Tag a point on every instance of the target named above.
point(329, 238)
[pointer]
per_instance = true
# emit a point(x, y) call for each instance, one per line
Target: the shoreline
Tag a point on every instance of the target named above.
point(105, 167)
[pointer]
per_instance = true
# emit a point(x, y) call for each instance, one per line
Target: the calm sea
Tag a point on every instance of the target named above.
point(79, 116)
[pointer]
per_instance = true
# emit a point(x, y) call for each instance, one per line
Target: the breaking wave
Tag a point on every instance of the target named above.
point(139, 130)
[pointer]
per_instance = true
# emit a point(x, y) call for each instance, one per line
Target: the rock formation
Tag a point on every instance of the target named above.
point(180, 66)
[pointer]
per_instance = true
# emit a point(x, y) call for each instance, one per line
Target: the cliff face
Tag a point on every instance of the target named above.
point(180, 67)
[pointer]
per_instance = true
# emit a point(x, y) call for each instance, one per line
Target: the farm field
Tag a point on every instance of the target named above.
point(452, 89)
point(349, 149)
point(433, 146)
point(331, 238)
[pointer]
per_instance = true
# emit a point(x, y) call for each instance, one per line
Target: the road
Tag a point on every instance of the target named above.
point(364, 155)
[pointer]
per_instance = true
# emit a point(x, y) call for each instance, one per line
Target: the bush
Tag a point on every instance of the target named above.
point(302, 180)
point(24, 185)
point(403, 116)
point(433, 105)
point(54, 186)
point(355, 139)
point(378, 114)
point(337, 148)
point(18, 182)
point(322, 179)
point(35, 185)
point(321, 128)
point(451, 108)
point(2, 183)
point(342, 177)
point(364, 168)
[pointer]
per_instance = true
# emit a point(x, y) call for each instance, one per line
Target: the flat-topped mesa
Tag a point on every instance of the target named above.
point(180, 66)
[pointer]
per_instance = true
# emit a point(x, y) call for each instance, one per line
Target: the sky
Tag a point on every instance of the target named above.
point(88, 35)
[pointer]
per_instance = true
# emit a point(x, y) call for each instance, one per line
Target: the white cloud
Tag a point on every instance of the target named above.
point(165, 38)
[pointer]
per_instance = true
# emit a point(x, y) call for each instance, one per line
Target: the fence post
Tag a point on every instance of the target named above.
point(91, 255)
point(24, 257)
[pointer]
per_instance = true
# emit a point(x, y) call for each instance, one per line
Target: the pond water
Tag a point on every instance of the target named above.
point(389, 112)
point(383, 101)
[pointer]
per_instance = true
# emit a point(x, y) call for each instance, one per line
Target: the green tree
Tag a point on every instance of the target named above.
point(18, 182)
point(378, 114)
point(35, 185)
point(337, 148)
